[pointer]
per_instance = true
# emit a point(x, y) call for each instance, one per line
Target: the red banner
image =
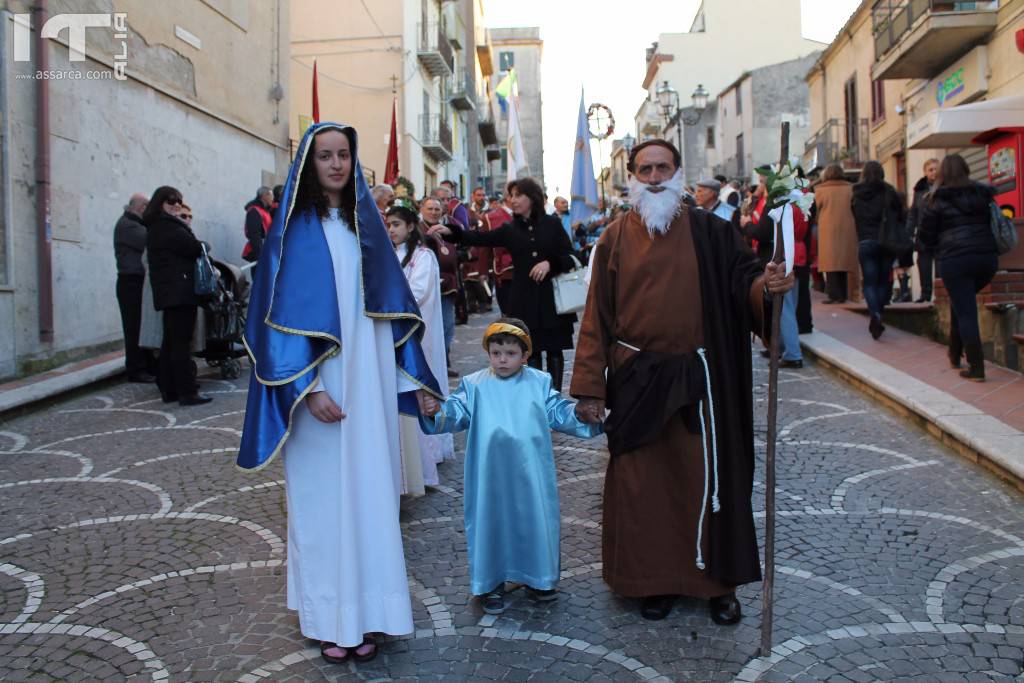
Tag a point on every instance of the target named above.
point(316, 98)
point(391, 166)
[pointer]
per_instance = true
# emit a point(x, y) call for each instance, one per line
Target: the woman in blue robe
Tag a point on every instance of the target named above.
point(334, 335)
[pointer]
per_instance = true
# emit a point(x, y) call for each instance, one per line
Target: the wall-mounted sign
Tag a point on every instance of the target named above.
point(950, 87)
point(964, 81)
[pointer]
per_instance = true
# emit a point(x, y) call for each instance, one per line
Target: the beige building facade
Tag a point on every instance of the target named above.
point(431, 58)
point(186, 95)
point(875, 89)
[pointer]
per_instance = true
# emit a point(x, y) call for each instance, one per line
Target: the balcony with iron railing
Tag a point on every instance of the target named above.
point(838, 141)
point(918, 38)
point(436, 136)
point(485, 122)
point(434, 50)
point(460, 90)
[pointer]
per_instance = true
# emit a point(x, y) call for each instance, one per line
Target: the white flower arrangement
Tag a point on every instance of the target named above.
point(786, 187)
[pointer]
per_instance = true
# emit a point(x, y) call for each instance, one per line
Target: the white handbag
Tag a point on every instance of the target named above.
point(570, 290)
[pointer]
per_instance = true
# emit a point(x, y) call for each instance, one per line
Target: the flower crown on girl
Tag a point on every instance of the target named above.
point(405, 203)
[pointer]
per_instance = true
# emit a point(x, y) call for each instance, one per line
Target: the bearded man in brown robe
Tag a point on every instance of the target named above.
point(674, 296)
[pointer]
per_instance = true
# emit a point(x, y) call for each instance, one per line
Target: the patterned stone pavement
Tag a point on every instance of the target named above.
point(131, 548)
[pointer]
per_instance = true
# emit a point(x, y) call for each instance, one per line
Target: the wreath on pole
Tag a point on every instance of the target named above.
point(595, 113)
point(407, 186)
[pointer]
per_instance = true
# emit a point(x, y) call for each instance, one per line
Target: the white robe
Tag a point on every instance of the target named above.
point(346, 566)
point(424, 277)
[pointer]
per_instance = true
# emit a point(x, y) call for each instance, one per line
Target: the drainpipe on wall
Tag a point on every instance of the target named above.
point(43, 232)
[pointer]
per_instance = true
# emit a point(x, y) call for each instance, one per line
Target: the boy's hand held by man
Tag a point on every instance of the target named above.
point(590, 410)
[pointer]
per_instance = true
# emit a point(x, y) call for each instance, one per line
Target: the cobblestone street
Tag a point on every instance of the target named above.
point(133, 548)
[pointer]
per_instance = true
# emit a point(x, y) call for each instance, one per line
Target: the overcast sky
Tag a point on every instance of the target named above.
point(603, 51)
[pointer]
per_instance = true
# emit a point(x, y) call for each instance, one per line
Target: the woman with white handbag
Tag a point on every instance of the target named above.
point(541, 252)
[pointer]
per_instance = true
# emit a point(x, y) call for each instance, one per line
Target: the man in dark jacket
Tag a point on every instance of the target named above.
point(257, 223)
point(925, 254)
point(129, 243)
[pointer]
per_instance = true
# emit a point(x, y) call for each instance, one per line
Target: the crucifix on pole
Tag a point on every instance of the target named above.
point(770, 437)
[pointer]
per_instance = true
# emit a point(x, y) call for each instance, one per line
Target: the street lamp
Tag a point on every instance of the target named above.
point(628, 141)
point(668, 100)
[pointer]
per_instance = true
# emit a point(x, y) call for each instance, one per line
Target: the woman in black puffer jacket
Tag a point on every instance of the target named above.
point(172, 250)
point(955, 223)
point(875, 200)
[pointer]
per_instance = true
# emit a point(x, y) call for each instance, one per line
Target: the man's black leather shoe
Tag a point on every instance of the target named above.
point(725, 609)
point(195, 400)
point(657, 607)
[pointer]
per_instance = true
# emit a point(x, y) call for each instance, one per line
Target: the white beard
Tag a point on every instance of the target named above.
point(657, 209)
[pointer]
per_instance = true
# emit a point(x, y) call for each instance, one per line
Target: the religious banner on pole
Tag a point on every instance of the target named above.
point(583, 191)
point(391, 172)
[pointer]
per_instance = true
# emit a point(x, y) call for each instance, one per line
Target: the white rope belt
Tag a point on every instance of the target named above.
point(715, 504)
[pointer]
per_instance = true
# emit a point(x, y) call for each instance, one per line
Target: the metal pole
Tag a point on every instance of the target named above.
point(44, 256)
point(770, 437)
point(679, 133)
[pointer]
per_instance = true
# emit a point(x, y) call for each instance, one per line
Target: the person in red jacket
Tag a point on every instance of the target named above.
point(501, 260)
point(805, 257)
point(257, 223)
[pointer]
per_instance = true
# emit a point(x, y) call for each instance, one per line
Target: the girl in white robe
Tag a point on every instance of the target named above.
point(419, 263)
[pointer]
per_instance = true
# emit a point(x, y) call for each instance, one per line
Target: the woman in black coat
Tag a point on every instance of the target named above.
point(875, 200)
point(172, 250)
point(955, 222)
point(540, 250)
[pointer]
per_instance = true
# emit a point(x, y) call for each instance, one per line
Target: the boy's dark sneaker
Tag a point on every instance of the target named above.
point(543, 596)
point(494, 602)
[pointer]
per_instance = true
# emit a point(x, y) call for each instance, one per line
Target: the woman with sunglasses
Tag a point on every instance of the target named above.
point(172, 250)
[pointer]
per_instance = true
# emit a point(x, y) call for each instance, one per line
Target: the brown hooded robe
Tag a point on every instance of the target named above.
point(695, 286)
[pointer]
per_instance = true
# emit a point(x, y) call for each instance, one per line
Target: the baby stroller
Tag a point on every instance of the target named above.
point(224, 318)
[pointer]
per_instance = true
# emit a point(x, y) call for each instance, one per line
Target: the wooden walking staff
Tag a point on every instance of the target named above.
point(770, 437)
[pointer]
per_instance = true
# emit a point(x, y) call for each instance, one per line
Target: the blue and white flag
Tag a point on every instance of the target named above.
point(583, 190)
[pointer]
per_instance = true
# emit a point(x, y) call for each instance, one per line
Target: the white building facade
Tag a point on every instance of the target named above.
point(711, 55)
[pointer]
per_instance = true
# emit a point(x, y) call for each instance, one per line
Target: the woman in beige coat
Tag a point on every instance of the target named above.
point(837, 234)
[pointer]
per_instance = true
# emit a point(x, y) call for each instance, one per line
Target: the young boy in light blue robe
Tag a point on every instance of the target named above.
point(511, 497)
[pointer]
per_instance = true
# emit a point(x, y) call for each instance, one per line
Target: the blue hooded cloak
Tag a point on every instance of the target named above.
point(293, 323)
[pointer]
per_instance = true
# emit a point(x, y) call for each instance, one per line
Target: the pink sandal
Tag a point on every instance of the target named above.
point(334, 659)
point(366, 655)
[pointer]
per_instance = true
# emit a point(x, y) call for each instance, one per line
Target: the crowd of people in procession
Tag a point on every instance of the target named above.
point(351, 355)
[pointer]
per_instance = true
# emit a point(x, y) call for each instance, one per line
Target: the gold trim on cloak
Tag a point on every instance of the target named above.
point(315, 333)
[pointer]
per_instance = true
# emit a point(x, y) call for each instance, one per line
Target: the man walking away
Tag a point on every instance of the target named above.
point(129, 243)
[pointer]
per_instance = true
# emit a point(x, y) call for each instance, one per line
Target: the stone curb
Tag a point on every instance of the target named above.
point(60, 384)
point(977, 436)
